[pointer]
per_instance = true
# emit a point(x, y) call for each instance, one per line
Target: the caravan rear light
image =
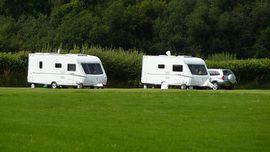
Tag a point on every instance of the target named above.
point(222, 77)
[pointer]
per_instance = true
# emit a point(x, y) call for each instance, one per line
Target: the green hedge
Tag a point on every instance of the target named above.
point(13, 69)
point(123, 68)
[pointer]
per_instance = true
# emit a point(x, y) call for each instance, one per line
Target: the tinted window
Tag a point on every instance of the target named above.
point(212, 73)
point(177, 68)
point(161, 66)
point(71, 67)
point(197, 69)
point(40, 64)
point(58, 65)
point(92, 68)
point(227, 72)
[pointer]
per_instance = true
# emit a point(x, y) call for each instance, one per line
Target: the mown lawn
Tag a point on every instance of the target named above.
point(71, 120)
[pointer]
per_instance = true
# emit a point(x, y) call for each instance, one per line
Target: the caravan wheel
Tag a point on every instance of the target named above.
point(54, 85)
point(79, 86)
point(183, 86)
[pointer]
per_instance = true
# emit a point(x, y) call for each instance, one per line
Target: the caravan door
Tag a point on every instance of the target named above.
point(71, 73)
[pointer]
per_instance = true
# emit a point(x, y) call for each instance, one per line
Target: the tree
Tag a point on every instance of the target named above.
point(32, 32)
point(192, 27)
point(73, 30)
point(16, 8)
point(7, 27)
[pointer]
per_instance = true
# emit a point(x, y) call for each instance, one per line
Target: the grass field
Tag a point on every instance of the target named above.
point(134, 120)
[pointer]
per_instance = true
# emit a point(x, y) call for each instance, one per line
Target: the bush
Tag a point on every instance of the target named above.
point(123, 68)
point(13, 69)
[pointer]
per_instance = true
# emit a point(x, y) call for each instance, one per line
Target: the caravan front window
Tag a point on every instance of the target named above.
point(92, 68)
point(197, 69)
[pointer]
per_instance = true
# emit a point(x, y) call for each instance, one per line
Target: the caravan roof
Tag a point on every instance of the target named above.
point(84, 58)
point(79, 57)
point(192, 60)
point(185, 59)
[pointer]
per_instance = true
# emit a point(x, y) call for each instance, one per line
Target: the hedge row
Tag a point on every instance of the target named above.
point(13, 69)
point(123, 68)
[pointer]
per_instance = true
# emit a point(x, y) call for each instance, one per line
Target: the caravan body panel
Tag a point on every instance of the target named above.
point(174, 70)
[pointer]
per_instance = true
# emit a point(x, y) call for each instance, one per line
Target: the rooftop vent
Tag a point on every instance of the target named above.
point(82, 55)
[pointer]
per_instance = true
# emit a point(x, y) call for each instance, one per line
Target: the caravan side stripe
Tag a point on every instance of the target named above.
point(171, 75)
point(59, 74)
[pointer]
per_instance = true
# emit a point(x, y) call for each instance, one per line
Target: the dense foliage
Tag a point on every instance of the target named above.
point(13, 69)
point(194, 27)
point(123, 68)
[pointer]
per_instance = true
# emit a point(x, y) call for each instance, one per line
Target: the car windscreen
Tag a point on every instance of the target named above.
point(197, 69)
point(92, 68)
point(227, 72)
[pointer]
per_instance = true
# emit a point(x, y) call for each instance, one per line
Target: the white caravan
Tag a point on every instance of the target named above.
point(65, 70)
point(184, 71)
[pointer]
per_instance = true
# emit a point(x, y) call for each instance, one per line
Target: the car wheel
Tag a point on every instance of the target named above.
point(215, 85)
point(54, 85)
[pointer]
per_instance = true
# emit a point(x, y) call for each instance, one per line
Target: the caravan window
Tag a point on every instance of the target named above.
point(40, 64)
point(58, 65)
point(71, 67)
point(177, 68)
point(161, 66)
point(197, 69)
point(92, 68)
